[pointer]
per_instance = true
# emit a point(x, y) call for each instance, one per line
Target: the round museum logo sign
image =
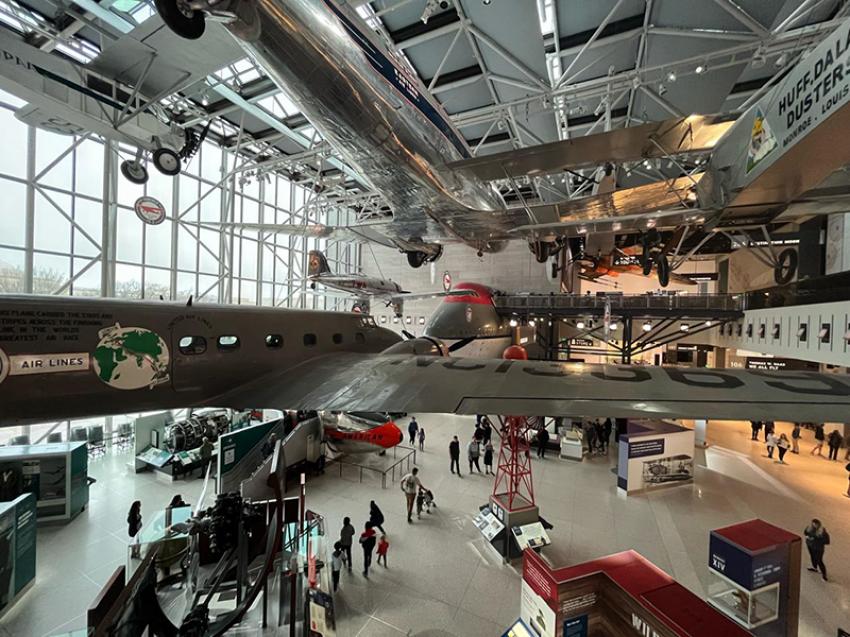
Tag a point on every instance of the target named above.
point(149, 210)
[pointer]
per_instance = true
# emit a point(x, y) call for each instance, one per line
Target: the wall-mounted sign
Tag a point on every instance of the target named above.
point(643, 448)
point(778, 364)
point(582, 342)
point(149, 210)
point(447, 281)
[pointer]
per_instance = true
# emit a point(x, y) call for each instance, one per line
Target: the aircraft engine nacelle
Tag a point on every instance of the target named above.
point(422, 346)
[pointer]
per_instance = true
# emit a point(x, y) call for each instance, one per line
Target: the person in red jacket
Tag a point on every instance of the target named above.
point(383, 547)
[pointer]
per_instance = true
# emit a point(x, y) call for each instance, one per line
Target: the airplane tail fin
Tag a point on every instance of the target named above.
point(318, 264)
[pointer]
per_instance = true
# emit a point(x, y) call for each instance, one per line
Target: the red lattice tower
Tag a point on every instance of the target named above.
point(513, 475)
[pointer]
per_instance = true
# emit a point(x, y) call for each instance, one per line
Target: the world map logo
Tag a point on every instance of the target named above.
point(131, 358)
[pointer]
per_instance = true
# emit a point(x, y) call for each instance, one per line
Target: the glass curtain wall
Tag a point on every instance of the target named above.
point(65, 199)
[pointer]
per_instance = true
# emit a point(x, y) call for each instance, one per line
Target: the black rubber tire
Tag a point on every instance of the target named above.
point(786, 267)
point(416, 259)
point(646, 263)
point(189, 27)
point(167, 161)
point(663, 270)
point(134, 172)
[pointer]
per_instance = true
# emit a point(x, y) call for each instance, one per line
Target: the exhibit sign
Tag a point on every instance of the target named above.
point(530, 536)
point(576, 626)
point(149, 210)
point(778, 364)
point(643, 448)
point(29, 364)
point(17, 547)
point(489, 525)
point(519, 629)
point(536, 612)
point(750, 570)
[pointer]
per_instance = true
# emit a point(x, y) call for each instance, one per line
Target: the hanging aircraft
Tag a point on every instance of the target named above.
point(770, 165)
point(63, 358)
point(319, 273)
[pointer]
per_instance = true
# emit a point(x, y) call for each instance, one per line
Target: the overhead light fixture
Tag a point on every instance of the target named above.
point(782, 60)
point(408, 319)
point(759, 59)
point(647, 326)
point(671, 76)
point(580, 325)
point(421, 320)
point(684, 327)
point(513, 322)
point(531, 323)
point(395, 320)
point(709, 323)
point(486, 3)
point(662, 89)
point(701, 68)
point(613, 326)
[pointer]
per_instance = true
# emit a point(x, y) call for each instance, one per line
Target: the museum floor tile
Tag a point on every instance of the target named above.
point(442, 577)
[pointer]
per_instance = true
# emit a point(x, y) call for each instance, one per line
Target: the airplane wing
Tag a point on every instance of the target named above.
point(659, 204)
point(363, 232)
point(678, 136)
point(432, 384)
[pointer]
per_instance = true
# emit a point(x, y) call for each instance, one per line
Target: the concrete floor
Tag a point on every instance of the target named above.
point(442, 578)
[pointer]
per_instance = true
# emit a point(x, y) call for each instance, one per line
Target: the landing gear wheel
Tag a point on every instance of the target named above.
point(180, 18)
point(786, 266)
point(663, 268)
point(134, 172)
point(542, 250)
point(416, 259)
point(646, 263)
point(166, 161)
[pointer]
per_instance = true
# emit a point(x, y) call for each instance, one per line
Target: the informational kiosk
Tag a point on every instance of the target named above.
point(17, 548)
point(621, 594)
point(654, 454)
point(755, 577)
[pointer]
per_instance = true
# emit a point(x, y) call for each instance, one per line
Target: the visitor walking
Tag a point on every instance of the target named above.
point(542, 440)
point(376, 516)
point(795, 438)
point(835, 440)
point(589, 437)
point(819, 438)
point(346, 538)
point(421, 439)
point(847, 447)
point(412, 428)
point(488, 458)
point(410, 485)
point(771, 444)
point(473, 451)
point(367, 541)
point(454, 455)
point(336, 564)
point(607, 427)
point(817, 539)
point(487, 429)
point(134, 519)
point(847, 468)
point(769, 428)
point(783, 443)
point(383, 547)
point(756, 427)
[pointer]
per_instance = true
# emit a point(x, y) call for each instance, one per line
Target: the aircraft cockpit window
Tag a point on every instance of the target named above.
point(359, 338)
point(310, 340)
point(368, 321)
point(274, 341)
point(228, 342)
point(191, 345)
point(337, 339)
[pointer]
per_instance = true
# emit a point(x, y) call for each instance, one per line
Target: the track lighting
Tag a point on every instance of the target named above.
point(647, 326)
point(684, 327)
point(671, 76)
point(580, 325)
point(701, 68)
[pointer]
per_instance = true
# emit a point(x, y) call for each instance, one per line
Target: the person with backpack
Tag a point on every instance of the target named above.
point(454, 455)
point(819, 438)
point(410, 486)
point(817, 539)
point(795, 438)
point(368, 539)
point(473, 450)
point(835, 440)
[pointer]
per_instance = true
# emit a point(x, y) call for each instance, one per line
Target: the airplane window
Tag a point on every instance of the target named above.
point(310, 340)
point(189, 345)
point(228, 342)
point(749, 330)
point(274, 340)
point(337, 339)
point(761, 330)
point(359, 338)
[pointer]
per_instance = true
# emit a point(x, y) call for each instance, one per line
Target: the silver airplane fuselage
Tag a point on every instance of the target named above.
point(375, 113)
point(359, 285)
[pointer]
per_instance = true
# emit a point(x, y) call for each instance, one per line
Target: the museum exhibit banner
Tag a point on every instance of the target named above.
point(17, 548)
point(654, 453)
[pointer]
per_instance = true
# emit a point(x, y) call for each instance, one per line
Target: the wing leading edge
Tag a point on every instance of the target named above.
point(400, 383)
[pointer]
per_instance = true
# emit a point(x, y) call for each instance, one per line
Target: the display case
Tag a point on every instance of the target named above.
point(56, 473)
point(751, 609)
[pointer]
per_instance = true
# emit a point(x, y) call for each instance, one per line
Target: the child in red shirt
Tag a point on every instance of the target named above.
point(383, 547)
